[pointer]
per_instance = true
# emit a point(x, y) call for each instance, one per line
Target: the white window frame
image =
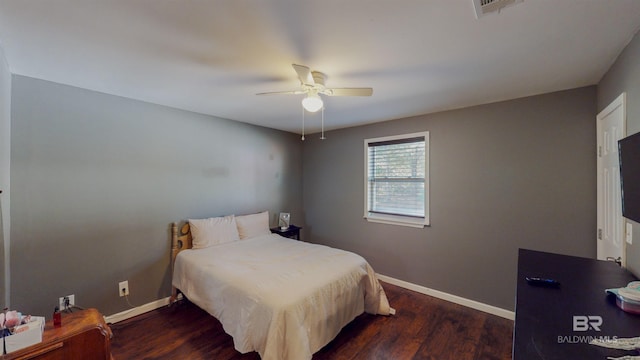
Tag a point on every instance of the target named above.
point(411, 221)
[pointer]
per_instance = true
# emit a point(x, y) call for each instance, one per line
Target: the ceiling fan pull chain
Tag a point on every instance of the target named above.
point(302, 124)
point(322, 136)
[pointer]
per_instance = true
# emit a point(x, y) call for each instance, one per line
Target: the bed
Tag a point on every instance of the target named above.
point(283, 298)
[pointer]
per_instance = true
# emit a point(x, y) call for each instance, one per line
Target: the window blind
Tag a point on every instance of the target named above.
point(396, 177)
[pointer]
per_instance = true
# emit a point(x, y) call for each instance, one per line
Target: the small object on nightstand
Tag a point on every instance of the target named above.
point(57, 317)
point(283, 221)
point(292, 232)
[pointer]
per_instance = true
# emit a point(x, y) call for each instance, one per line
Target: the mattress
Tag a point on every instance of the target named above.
point(283, 298)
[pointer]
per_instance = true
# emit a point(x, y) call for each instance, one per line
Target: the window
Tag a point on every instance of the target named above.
point(396, 179)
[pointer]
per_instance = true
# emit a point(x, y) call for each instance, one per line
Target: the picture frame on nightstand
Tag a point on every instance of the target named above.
point(284, 221)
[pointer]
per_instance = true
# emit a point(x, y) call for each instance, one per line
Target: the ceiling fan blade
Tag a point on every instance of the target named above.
point(294, 92)
point(304, 74)
point(348, 92)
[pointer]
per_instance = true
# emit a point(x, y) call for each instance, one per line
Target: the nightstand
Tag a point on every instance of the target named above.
point(292, 232)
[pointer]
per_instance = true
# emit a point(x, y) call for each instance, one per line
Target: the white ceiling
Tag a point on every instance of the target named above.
point(212, 57)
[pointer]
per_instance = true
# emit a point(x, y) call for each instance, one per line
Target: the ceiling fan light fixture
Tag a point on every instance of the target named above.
point(312, 103)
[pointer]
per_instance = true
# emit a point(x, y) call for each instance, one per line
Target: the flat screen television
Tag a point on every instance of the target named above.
point(629, 153)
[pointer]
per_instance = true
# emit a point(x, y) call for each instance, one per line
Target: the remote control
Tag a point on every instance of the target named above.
point(542, 282)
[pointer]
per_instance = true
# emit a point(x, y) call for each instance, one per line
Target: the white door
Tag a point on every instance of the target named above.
point(611, 124)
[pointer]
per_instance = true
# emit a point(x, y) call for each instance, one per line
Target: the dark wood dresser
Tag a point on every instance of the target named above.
point(83, 335)
point(546, 327)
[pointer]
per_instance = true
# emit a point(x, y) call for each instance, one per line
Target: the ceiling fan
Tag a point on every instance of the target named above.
point(312, 83)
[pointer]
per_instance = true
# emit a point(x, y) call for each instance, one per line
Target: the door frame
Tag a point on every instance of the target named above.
point(620, 101)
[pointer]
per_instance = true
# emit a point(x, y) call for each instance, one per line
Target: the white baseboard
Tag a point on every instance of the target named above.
point(448, 297)
point(138, 310)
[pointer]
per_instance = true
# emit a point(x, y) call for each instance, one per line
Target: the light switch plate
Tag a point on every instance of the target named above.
point(629, 233)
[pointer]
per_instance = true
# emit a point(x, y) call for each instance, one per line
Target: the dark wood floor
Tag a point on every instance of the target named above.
point(423, 328)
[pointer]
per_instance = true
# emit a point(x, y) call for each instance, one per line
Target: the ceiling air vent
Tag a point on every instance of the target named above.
point(484, 7)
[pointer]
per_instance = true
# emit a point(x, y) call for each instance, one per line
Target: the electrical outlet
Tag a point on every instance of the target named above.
point(123, 288)
point(61, 301)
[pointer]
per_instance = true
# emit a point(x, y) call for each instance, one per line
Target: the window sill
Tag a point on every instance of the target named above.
point(397, 220)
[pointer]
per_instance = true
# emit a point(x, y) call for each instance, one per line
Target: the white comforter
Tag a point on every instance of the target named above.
point(283, 298)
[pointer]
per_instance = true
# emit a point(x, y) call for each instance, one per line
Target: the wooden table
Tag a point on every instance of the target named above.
point(544, 326)
point(83, 335)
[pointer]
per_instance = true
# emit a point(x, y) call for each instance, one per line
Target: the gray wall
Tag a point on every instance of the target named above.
point(97, 180)
point(508, 175)
point(5, 137)
point(624, 76)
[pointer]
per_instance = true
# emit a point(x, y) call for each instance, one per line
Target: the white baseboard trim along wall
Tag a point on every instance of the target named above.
point(448, 297)
point(139, 310)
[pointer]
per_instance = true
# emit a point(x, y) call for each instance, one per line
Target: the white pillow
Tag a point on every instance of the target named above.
point(213, 231)
point(253, 225)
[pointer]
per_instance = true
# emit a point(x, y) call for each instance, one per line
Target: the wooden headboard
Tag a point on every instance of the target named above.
point(179, 242)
